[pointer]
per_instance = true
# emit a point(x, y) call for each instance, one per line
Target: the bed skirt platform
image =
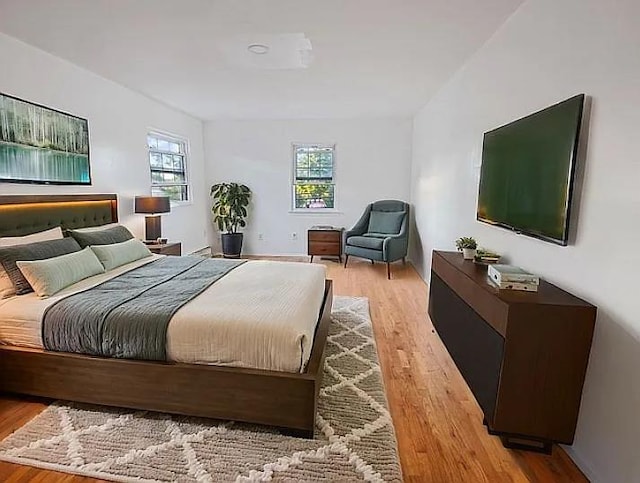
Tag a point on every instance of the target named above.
point(282, 399)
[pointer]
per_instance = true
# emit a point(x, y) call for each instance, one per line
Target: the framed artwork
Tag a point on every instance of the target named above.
point(42, 145)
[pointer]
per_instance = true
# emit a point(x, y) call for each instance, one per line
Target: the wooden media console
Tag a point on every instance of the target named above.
point(524, 355)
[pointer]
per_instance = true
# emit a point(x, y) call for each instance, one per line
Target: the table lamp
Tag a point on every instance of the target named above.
point(152, 205)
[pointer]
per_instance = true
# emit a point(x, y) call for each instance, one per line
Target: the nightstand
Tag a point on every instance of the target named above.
point(174, 248)
point(324, 241)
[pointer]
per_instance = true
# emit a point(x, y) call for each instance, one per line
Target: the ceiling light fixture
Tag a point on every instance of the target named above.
point(258, 49)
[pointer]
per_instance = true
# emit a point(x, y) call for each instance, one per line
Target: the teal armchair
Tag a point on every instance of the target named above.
point(381, 233)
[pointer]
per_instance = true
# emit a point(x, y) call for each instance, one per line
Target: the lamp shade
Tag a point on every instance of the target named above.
point(152, 204)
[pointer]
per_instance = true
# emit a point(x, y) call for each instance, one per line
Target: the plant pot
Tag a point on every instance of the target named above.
point(231, 245)
point(468, 253)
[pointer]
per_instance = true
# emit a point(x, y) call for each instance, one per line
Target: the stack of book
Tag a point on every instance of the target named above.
point(485, 257)
point(509, 277)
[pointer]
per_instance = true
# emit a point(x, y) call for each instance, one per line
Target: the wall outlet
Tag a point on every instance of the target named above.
point(261, 236)
point(294, 236)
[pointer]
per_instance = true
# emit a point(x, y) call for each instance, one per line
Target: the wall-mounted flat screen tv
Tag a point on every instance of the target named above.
point(527, 174)
point(42, 145)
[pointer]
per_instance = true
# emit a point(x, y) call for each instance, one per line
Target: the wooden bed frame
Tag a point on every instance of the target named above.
point(282, 399)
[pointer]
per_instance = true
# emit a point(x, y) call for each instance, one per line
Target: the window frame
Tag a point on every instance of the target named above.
point(172, 138)
point(293, 181)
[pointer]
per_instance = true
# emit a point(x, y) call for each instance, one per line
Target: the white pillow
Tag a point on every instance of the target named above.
point(96, 228)
point(51, 275)
point(6, 287)
point(52, 234)
point(117, 254)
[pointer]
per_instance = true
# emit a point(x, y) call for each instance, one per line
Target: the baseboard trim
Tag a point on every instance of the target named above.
point(297, 256)
point(582, 464)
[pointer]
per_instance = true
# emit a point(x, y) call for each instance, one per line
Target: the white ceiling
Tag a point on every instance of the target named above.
point(369, 57)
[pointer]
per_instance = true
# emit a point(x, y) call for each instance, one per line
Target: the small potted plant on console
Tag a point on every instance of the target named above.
point(230, 201)
point(467, 245)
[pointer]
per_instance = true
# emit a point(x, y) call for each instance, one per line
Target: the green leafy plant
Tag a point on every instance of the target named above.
point(466, 242)
point(230, 202)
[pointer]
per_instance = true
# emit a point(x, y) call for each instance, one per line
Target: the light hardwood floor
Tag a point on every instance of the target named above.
point(438, 423)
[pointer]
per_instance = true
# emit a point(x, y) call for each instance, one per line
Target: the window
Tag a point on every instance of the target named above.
point(168, 161)
point(314, 182)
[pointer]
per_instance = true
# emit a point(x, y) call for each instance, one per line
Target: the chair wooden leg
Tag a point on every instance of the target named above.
point(404, 260)
point(372, 262)
point(388, 271)
point(346, 259)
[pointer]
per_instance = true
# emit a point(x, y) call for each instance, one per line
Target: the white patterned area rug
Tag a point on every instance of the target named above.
point(355, 440)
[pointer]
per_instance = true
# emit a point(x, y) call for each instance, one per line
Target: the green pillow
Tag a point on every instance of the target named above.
point(32, 251)
point(51, 275)
point(107, 236)
point(387, 222)
point(117, 254)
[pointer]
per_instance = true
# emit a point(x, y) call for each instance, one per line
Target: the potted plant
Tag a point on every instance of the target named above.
point(230, 201)
point(467, 245)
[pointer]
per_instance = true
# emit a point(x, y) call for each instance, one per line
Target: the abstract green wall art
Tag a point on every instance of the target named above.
point(42, 145)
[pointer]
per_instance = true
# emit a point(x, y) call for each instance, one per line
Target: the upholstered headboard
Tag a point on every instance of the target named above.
point(25, 214)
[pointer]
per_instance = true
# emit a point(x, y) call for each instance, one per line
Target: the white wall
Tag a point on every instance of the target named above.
point(546, 52)
point(372, 162)
point(118, 123)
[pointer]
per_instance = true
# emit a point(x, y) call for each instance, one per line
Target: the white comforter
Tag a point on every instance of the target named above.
point(262, 315)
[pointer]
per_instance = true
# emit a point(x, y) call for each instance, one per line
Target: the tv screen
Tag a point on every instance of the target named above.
point(527, 172)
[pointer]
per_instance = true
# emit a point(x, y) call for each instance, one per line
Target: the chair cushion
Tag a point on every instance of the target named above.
point(376, 235)
point(388, 222)
point(365, 242)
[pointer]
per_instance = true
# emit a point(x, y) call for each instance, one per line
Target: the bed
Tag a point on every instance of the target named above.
point(217, 379)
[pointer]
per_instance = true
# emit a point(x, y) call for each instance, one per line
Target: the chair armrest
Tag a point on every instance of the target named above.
point(395, 237)
point(395, 247)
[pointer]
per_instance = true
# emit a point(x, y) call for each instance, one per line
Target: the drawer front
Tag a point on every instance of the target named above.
point(167, 250)
point(172, 250)
point(475, 347)
point(325, 236)
point(325, 248)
